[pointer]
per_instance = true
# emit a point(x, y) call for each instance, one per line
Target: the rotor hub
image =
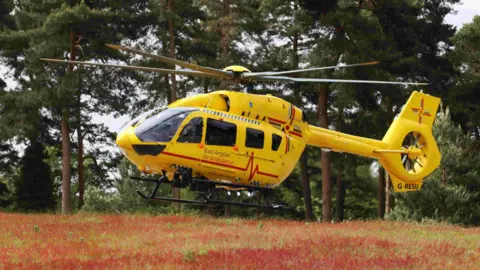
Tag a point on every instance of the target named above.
point(415, 158)
point(237, 69)
point(414, 152)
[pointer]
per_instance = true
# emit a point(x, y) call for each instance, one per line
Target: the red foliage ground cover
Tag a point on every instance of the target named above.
point(87, 241)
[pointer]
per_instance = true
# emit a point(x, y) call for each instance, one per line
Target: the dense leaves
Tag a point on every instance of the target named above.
point(34, 185)
point(452, 192)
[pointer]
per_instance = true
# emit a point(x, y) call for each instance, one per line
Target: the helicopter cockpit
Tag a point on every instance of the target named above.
point(162, 126)
point(153, 127)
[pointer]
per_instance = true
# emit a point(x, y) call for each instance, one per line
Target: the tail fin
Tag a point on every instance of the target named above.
point(412, 151)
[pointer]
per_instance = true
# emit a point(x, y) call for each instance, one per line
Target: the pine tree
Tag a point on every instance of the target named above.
point(6, 20)
point(452, 192)
point(76, 31)
point(34, 186)
point(463, 97)
point(392, 32)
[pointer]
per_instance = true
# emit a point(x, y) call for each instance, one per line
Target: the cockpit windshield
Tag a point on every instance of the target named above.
point(162, 127)
point(146, 114)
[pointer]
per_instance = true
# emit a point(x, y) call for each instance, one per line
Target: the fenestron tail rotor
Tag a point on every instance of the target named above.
point(242, 74)
point(413, 163)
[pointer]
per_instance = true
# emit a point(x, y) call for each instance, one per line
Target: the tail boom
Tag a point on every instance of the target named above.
point(416, 118)
point(345, 143)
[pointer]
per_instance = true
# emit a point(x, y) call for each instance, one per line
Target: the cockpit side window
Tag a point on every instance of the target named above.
point(254, 138)
point(163, 126)
point(192, 132)
point(276, 141)
point(220, 133)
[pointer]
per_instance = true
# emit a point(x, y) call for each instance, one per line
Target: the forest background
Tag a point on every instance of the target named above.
point(55, 157)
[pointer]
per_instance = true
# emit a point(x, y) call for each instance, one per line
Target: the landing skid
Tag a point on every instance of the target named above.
point(211, 188)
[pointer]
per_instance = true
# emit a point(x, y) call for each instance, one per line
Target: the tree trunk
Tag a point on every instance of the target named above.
point(173, 92)
point(340, 196)
point(166, 76)
point(389, 199)
point(225, 31)
point(340, 184)
point(205, 85)
point(81, 175)
point(307, 197)
point(295, 42)
point(381, 192)
point(66, 150)
point(227, 207)
point(388, 202)
point(258, 210)
point(66, 172)
point(325, 158)
point(444, 176)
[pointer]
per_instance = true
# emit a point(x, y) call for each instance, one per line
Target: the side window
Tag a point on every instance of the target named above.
point(220, 133)
point(192, 132)
point(255, 138)
point(276, 141)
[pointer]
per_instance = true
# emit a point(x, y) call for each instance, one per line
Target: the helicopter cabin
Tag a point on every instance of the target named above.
point(214, 144)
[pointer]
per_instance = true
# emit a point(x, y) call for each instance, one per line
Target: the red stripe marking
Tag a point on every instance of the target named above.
point(293, 115)
point(180, 156)
point(296, 134)
point(286, 144)
point(250, 161)
point(267, 174)
point(276, 120)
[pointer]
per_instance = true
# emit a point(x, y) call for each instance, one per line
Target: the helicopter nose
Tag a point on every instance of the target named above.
point(123, 139)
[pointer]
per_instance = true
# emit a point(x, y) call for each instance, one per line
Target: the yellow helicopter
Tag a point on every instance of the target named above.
point(240, 141)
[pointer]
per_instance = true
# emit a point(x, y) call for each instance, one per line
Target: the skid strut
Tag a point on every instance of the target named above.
point(208, 199)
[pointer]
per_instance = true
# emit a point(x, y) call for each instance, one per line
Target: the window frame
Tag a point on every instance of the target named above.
point(221, 121)
point(187, 121)
point(281, 140)
point(144, 128)
point(255, 130)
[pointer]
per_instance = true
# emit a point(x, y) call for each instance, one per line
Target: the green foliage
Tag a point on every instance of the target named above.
point(463, 98)
point(34, 186)
point(97, 200)
point(439, 202)
point(361, 194)
point(451, 193)
point(4, 195)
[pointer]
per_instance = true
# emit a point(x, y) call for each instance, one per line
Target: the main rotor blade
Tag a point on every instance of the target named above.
point(168, 60)
point(148, 69)
point(274, 73)
point(313, 80)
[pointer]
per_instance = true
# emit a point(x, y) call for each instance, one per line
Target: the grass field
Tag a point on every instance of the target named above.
point(87, 241)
